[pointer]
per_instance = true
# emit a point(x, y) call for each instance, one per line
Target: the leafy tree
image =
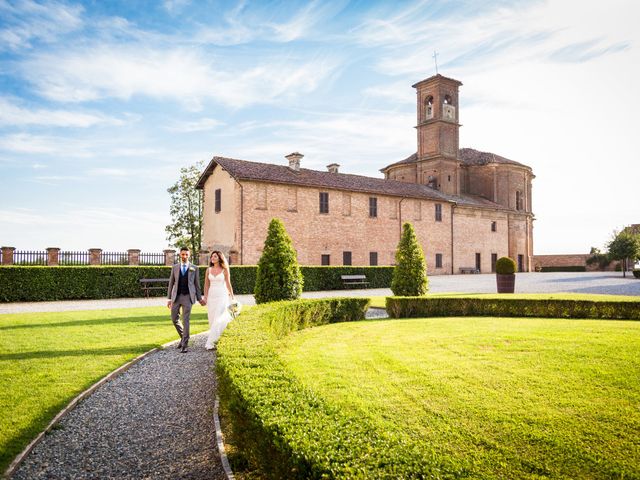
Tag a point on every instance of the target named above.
point(410, 272)
point(602, 259)
point(185, 228)
point(279, 276)
point(624, 246)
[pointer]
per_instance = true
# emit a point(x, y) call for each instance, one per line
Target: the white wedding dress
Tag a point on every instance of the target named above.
point(217, 303)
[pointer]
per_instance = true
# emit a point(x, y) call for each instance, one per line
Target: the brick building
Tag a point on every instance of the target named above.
point(468, 207)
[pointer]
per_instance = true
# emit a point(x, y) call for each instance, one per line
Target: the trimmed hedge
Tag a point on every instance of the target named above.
point(284, 427)
point(636, 272)
point(39, 283)
point(328, 278)
point(415, 307)
point(575, 268)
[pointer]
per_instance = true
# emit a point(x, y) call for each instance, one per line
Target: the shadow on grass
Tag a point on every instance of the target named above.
point(44, 354)
point(156, 319)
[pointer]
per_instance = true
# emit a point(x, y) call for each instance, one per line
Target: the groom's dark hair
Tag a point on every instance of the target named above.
point(182, 249)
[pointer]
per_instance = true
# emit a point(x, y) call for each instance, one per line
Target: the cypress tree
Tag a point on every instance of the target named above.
point(279, 276)
point(410, 272)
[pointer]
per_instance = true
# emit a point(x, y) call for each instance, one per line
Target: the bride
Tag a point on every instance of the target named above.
point(217, 290)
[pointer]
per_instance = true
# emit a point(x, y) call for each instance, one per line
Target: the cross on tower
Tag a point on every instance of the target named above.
point(435, 59)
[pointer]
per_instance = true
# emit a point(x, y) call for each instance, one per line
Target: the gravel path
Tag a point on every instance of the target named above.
point(154, 421)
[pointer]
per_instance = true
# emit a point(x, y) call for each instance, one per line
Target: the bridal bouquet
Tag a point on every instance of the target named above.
point(234, 309)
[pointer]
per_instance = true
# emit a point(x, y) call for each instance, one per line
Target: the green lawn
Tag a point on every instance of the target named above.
point(46, 359)
point(380, 301)
point(487, 397)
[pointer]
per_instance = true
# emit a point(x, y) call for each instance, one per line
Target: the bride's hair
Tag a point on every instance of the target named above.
point(223, 261)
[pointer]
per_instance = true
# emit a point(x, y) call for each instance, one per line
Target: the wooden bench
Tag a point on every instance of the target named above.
point(469, 270)
point(149, 284)
point(348, 280)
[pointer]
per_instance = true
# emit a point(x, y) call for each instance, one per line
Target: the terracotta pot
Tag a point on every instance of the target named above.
point(506, 283)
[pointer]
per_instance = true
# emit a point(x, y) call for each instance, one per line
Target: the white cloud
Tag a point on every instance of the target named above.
point(26, 143)
point(73, 227)
point(109, 172)
point(361, 143)
point(303, 22)
point(199, 125)
point(112, 71)
point(12, 114)
point(56, 179)
point(570, 30)
point(27, 21)
point(175, 6)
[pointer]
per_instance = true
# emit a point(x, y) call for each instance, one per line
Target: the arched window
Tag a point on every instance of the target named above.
point(448, 110)
point(428, 104)
point(432, 181)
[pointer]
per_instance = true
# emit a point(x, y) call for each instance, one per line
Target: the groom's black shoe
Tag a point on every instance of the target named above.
point(184, 349)
point(179, 344)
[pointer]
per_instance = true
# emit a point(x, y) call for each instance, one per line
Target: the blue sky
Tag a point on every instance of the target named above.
point(102, 103)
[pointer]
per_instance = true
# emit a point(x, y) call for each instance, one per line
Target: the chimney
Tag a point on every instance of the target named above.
point(333, 167)
point(294, 160)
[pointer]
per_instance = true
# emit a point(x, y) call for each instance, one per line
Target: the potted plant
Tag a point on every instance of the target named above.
point(506, 275)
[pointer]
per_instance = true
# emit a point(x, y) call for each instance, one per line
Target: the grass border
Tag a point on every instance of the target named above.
point(17, 461)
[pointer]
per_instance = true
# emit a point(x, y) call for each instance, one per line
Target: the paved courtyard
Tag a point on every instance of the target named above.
point(611, 283)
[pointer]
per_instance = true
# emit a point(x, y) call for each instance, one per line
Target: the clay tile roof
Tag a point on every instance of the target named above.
point(470, 156)
point(467, 156)
point(267, 172)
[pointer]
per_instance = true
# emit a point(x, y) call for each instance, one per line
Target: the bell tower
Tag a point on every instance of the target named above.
point(438, 133)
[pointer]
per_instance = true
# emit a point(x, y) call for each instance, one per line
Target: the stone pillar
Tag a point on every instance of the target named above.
point(203, 257)
point(134, 256)
point(53, 255)
point(169, 257)
point(95, 256)
point(7, 255)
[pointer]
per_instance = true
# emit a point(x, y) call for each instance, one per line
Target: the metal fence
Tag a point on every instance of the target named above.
point(114, 258)
point(10, 256)
point(73, 258)
point(36, 257)
point(152, 258)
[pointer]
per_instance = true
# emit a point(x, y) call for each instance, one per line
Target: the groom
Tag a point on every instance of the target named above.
point(184, 290)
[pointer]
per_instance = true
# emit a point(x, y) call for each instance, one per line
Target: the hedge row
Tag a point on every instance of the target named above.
point(412, 307)
point(34, 283)
point(575, 268)
point(284, 427)
point(636, 273)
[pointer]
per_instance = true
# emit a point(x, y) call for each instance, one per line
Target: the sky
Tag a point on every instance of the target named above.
point(102, 103)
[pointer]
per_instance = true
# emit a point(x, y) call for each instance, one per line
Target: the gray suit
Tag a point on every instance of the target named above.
point(184, 300)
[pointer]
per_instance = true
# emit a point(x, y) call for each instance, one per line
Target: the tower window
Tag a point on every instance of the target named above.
point(428, 108)
point(447, 100)
point(494, 226)
point(432, 181)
